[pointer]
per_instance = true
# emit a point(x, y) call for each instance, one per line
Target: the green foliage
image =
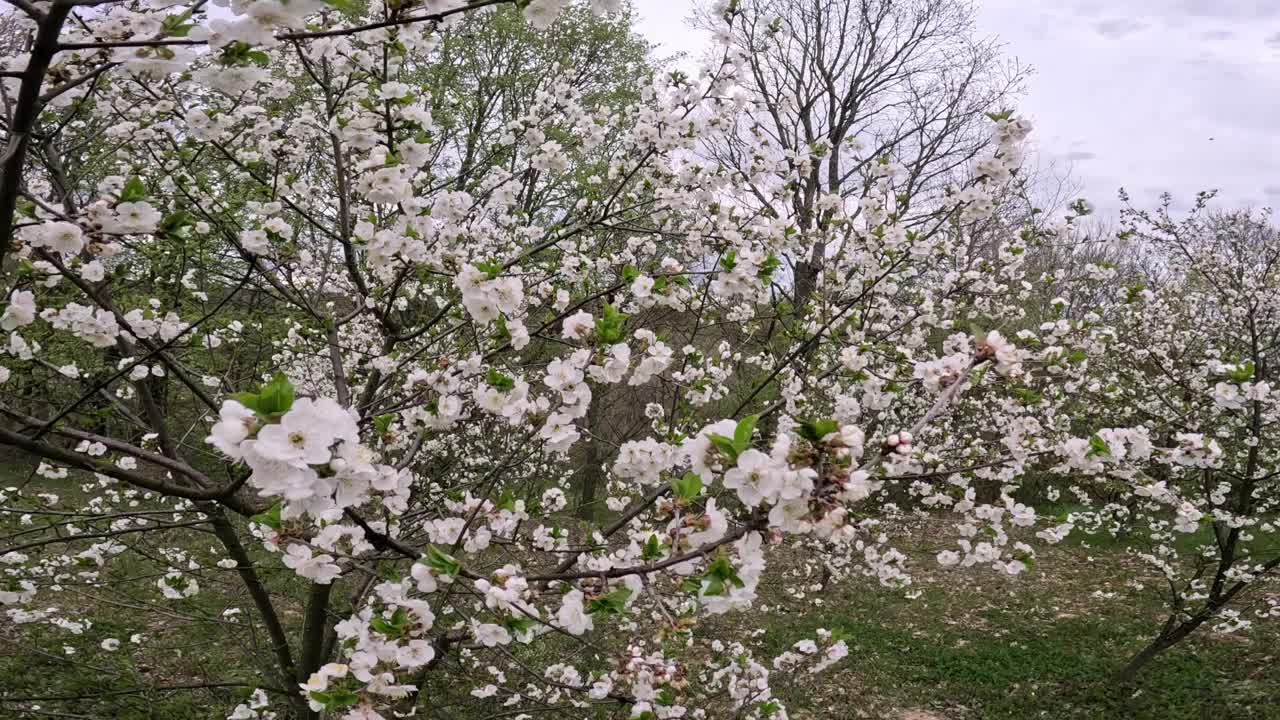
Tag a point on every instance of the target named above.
point(614, 603)
point(177, 25)
point(518, 624)
point(134, 190)
point(349, 7)
point(441, 562)
point(719, 575)
point(815, 430)
point(609, 326)
point(1027, 396)
point(335, 698)
point(270, 518)
point(653, 549)
point(394, 626)
point(491, 268)
point(499, 381)
point(770, 265)
point(686, 487)
point(174, 223)
point(240, 53)
point(274, 399)
point(1098, 446)
point(1241, 374)
point(382, 423)
point(731, 448)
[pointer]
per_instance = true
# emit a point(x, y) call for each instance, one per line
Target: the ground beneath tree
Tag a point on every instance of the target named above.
point(969, 644)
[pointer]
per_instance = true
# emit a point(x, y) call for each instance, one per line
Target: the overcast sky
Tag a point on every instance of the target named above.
point(1149, 95)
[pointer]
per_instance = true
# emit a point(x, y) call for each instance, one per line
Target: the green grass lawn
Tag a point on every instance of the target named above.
point(972, 644)
point(1042, 645)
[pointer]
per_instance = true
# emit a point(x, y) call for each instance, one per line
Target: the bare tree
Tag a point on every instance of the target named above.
point(838, 90)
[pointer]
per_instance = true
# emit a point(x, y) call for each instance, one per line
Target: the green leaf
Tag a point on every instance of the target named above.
point(652, 549)
point(771, 264)
point(768, 708)
point(336, 698)
point(727, 447)
point(442, 562)
point(382, 423)
point(177, 25)
point(173, 223)
point(393, 626)
point(507, 501)
point(743, 432)
point(1028, 396)
point(1243, 373)
point(235, 53)
point(501, 333)
point(346, 6)
point(815, 430)
point(629, 274)
point(729, 261)
point(1098, 446)
point(612, 604)
point(247, 399)
point(719, 575)
point(518, 625)
point(492, 268)
point(134, 190)
point(714, 587)
point(270, 518)
point(980, 374)
point(687, 487)
point(609, 326)
point(276, 397)
point(499, 381)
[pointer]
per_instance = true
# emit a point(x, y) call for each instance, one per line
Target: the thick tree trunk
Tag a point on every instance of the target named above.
point(314, 628)
point(1171, 635)
point(1130, 671)
point(588, 479)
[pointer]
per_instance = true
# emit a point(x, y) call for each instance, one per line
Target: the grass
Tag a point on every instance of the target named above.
point(972, 644)
point(1043, 645)
point(185, 642)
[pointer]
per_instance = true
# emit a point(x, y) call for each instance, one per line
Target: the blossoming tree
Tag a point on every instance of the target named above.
point(257, 293)
point(1180, 465)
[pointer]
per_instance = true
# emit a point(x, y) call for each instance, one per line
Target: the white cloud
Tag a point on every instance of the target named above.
point(1151, 95)
point(1172, 98)
point(664, 23)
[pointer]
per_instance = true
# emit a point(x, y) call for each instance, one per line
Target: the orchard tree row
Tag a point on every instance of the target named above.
point(481, 355)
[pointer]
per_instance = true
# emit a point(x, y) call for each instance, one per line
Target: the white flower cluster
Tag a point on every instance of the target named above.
point(311, 458)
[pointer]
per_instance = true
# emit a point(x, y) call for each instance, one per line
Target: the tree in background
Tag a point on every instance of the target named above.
point(1181, 462)
point(317, 313)
point(840, 96)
